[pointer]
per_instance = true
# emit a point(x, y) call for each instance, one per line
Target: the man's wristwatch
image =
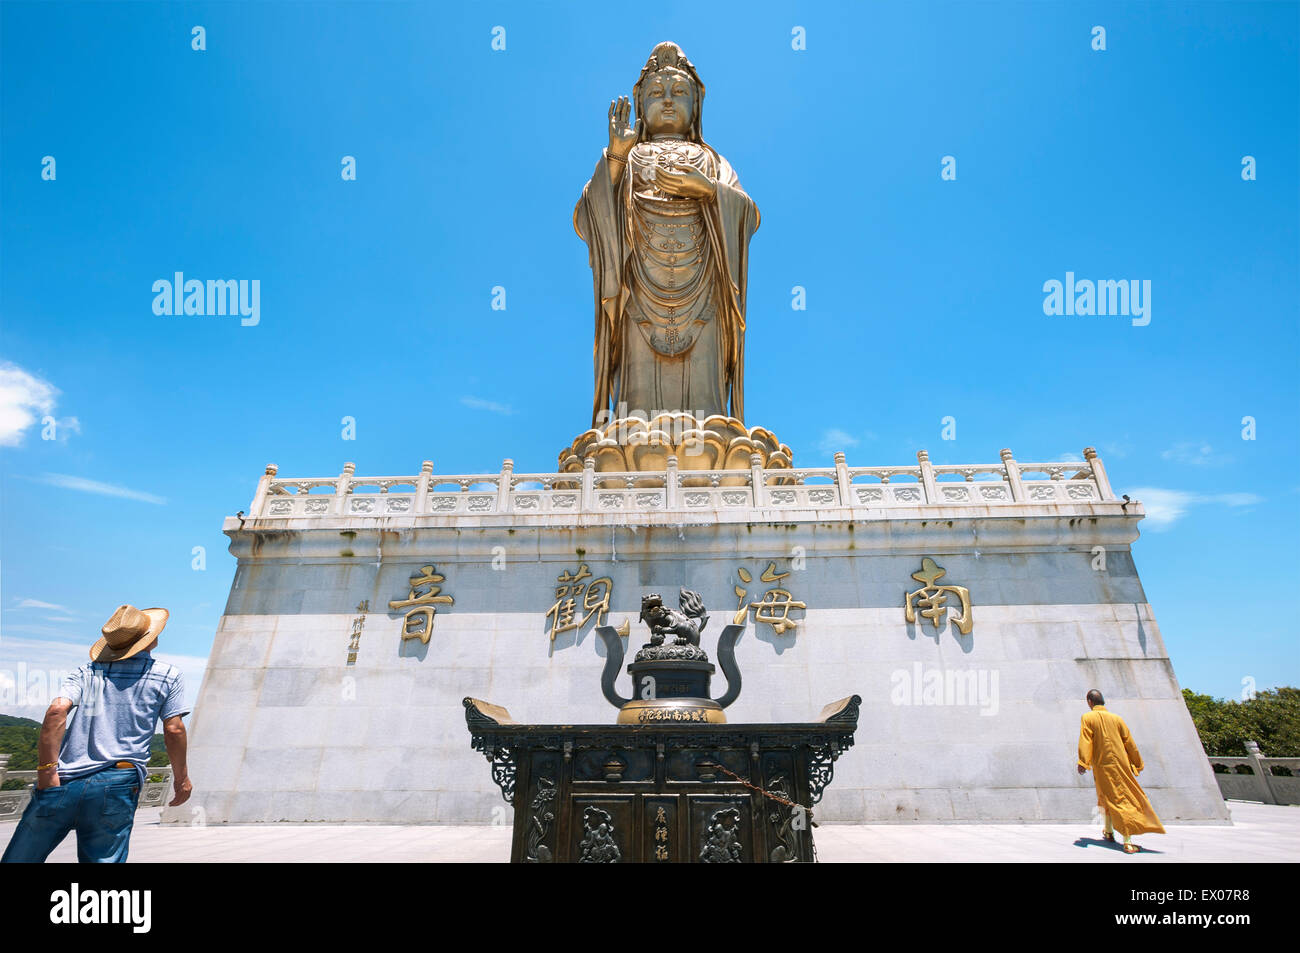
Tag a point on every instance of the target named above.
point(46, 767)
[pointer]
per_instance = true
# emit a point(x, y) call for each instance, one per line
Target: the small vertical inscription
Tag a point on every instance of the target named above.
point(661, 836)
point(659, 832)
point(359, 623)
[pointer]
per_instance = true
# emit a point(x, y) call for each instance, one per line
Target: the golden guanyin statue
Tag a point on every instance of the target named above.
point(667, 226)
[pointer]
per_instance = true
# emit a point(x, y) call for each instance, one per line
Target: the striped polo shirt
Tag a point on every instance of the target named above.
point(117, 707)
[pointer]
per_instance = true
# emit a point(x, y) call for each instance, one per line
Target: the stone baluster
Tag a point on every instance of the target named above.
point(342, 489)
point(4, 766)
point(756, 479)
point(1013, 476)
point(422, 485)
point(1099, 473)
point(671, 483)
point(263, 488)
point(927, 476)
point(1262, 773)
point(504, 491)
point(588, 484)
point(842, 479)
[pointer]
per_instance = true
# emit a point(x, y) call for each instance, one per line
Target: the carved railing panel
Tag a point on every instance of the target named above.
point(684, 491)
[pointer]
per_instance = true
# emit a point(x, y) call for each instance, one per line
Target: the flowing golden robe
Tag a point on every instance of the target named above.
point(669, 275)
point(1106, 747)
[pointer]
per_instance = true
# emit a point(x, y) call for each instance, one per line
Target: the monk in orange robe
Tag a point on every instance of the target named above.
point(1106, 746)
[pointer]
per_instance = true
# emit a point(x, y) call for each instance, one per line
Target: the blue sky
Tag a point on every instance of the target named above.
point(924, 296)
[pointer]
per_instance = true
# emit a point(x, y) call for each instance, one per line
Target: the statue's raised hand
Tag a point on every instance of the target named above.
point(622, 134)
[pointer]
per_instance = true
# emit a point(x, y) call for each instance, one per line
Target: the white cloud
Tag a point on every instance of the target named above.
point(1165, 507)
point(835, 439)
point(24, 399)
point(52, 631)
point(193, 667)
point(83, 485)
point(1237, 499)
point(37, 604)
point(31, 671)
point(480, 404)
point(1196, 454)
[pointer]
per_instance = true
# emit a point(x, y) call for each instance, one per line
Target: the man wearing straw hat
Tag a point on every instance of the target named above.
point(90, 778)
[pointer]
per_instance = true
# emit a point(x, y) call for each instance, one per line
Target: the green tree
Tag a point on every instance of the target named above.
point(19, 740)
point(18, 737)
point(1271, 718)
point(158, 753)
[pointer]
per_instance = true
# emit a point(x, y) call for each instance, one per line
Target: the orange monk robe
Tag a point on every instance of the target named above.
point(1106, 746)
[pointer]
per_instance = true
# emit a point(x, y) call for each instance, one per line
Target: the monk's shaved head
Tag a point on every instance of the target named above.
point(1094, 698)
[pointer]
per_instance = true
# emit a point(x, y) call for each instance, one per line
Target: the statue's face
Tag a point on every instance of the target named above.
point(669, 103)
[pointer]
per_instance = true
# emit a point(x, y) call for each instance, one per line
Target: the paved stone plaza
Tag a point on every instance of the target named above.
point(1260, 833)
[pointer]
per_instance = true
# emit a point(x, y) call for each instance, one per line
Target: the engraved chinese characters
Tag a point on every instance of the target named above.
point(581, 598)
point(932, 599)
point(775, 604)
point(661, 836)
point(422, 604)
point(354, 644)
point(569, 587)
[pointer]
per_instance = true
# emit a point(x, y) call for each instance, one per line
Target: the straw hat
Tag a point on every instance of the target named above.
point(128, 632)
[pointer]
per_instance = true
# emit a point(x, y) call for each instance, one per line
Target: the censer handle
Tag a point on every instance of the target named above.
point(614, 652)
point(727, 659)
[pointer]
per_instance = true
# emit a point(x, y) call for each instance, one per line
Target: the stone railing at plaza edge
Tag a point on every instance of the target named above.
point(14, 801)
point(712, 492)
point(1253, 777)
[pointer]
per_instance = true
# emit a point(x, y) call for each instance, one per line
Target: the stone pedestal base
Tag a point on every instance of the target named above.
point(315, 707)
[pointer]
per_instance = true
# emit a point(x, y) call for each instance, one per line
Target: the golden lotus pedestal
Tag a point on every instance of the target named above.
point(641, 445)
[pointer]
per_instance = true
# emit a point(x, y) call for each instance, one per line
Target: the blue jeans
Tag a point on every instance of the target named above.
point(100, 806)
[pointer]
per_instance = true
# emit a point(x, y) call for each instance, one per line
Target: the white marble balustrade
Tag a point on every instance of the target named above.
point(681, 490)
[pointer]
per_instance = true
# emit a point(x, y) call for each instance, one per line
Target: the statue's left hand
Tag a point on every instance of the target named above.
point(685, 182)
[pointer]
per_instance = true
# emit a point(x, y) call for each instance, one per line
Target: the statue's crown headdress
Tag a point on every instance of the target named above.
point(669, 55)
